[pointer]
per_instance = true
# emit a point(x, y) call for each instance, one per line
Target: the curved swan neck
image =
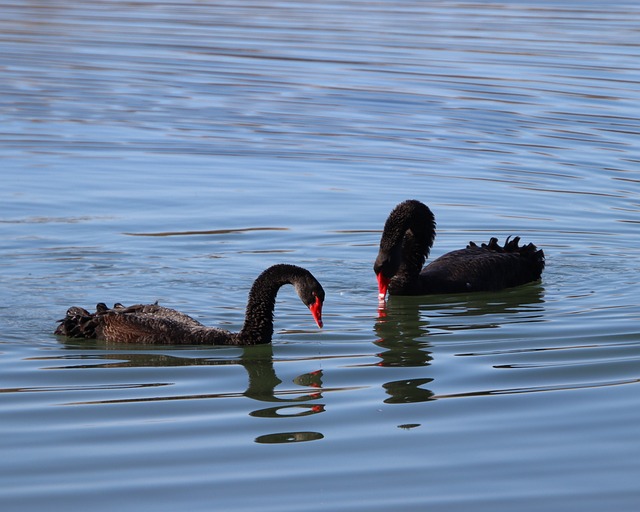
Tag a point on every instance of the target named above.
point(258, 324)
point(411, 218)
point(406, 240)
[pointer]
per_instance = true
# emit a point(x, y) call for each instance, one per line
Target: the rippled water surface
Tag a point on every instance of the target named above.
point(170, 151)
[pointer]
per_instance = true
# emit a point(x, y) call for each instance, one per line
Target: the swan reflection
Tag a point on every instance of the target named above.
point(262, 383)
point(407, 326)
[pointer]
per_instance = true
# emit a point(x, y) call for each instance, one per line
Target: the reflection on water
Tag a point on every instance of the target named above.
point(289, 437)
point(416, 316)
point(541, 389)
point(172, 150)
point(407, 391)
point(405, 325)
point(208, 232)
point(262, 383)
point(398, 336)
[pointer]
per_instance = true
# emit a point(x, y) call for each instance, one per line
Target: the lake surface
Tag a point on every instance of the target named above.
point(171, 151)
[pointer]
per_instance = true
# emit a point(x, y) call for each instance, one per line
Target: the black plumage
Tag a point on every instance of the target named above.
point(405, 244)
point(154, 324)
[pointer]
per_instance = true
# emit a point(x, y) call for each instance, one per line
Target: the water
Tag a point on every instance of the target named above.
point(171, 151)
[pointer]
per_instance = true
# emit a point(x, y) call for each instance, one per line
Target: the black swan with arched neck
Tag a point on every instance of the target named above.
point(154, 324)
point(405, 244)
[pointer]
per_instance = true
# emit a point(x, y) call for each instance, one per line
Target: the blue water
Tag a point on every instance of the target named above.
point(171, 151)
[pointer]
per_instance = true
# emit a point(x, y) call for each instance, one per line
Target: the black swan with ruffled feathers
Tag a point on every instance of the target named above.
point(153, 324)
point(407, 238)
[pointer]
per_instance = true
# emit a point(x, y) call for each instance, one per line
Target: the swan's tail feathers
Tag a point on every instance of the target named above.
point(79, 323)
point(528, 253)
point(510, 245)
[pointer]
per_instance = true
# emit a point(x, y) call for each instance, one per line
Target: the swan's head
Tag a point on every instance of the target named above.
point(311, 294)
point(386, 266)
point(406, 239)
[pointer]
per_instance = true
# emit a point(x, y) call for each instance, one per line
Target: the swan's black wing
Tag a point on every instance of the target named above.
point(483, 268)
point(141, 324)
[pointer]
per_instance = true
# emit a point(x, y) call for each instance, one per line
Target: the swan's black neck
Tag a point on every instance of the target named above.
point(407, 238)
point(258, 323)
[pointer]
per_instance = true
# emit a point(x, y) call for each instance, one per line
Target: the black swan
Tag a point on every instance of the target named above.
point(407, 238)
point(153, 324)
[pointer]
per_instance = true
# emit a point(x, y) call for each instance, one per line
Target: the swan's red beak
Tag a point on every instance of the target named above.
point(383, 284)
point(316, 311)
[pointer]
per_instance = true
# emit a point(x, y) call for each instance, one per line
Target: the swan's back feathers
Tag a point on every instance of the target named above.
point(142, 323)
point(486, 267)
